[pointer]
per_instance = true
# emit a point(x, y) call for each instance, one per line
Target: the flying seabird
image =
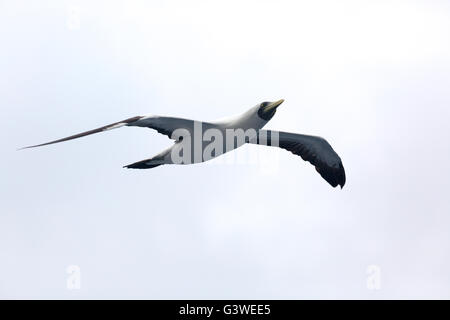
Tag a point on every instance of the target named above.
point(211, 139)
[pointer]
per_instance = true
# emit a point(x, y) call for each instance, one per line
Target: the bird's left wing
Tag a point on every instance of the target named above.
point(164, 125)
point(315, 150)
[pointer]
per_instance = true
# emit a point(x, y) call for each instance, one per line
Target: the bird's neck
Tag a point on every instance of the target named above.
point(246, 120)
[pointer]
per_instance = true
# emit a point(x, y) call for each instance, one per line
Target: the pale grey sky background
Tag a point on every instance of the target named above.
point(373, 77)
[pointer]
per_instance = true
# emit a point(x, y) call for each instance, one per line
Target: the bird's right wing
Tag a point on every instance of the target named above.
point(315, 150)
point(164, 125)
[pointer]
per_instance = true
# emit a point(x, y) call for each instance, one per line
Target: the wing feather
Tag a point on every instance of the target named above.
point(315, 150)
point(164, 125)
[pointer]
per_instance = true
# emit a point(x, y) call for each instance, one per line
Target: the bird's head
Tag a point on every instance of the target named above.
point(267, 110)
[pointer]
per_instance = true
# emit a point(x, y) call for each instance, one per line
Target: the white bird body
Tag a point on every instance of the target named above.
point(197, 141)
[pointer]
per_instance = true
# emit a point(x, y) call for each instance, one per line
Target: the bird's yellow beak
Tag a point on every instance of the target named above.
point(273, 105)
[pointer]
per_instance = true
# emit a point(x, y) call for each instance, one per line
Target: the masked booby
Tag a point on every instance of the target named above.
point(196, 141)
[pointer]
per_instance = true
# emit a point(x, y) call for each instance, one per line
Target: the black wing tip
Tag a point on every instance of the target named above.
point(343, 178)
point(135, 166)
point(335, 176)
point(142, 165)
point(131, 166)
point(29, 147)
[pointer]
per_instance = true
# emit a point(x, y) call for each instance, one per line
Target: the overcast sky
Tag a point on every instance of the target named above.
point(372, 77)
